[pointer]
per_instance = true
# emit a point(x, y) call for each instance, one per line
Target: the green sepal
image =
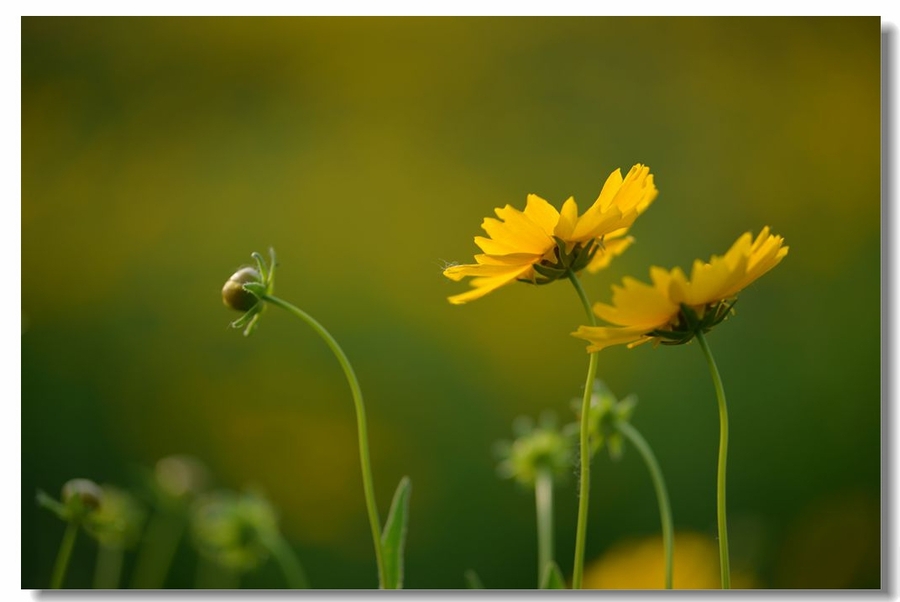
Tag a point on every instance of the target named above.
point(473, 581)
point(54, 506)
point(553, 273)
point(249, 319)
point(393, 537)
point(245, 318)
point(257, 288)
point(553, 578)
point(261, 265)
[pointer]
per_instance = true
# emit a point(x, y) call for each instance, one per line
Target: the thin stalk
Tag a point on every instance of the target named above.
point(64, 554)
point(287, 560)
point(662, 496)
point(109, 567)
point(543, 503)
point(724, 564)
point(362, 431)
point(584, 447)
point(160, 542)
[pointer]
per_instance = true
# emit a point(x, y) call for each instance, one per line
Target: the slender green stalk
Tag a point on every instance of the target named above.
point(65, 552)
point(160, 542)
point(724, 564)
point(543, 503)
point(662, 496)
point(368, 487)
point(287, 560)
point(109, 567)
point(584, 447)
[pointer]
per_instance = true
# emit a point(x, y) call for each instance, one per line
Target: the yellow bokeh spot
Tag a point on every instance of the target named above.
point(640, 564)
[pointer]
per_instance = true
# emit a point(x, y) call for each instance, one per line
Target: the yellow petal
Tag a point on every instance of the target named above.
point(766, 252)
point(602, 337)
point(611, 248)
point(619, 203)
point(493, 247)
point(489, 278)
point(517, 231)
point(637, 304)
point(568, 217)
point(510, 259)
point(541, 213)
point(609, 190)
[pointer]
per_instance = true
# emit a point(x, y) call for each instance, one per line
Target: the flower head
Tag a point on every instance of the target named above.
point(540, 244)
point(536, 448)
point(80, 501)
point(606, 413)
point(674, 307)
point(233, 529)
point(243, 289)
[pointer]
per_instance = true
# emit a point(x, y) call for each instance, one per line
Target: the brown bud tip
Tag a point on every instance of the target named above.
point(87, 492)
point(233, 293)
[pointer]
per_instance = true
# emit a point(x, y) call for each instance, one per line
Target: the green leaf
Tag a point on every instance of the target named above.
point(553, 578)
point(473, 581)
point(393, 538)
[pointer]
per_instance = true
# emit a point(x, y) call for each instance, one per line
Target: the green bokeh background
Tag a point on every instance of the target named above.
point(158, 153)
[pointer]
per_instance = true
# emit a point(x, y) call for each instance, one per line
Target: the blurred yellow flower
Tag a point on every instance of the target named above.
point(673, 308)
point(541, 244)
point(640, 564)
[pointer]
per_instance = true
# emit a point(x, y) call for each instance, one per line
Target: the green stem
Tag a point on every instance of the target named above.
point(160, 542)
point(662, 496)
point(287, 560)
point(62, 557)
point(368, 487)
point(723, 456)
point(543, 502)
point(584, 447)
point(109, 567)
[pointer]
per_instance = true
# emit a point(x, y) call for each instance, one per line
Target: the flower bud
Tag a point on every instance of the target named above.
point(536, 448)
point(232, 528)
point(233, 293)
point(82, 494)
point(118, 521)
point(180, 475)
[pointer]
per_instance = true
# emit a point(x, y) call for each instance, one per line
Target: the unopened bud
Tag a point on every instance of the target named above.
point(233, 293)
point(83, 492)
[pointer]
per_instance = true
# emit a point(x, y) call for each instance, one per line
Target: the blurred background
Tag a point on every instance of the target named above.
point(158, 153)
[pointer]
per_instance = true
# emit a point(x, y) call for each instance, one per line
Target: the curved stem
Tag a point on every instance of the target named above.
point(362, 430)
point(62, 557)
point(584, 447)
point(543, 503)
point(287, 560)
point(662, 496)
point(723, 456)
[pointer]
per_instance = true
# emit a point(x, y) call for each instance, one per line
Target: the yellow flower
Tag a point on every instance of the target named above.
point(673, 308)
point(541, 244)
